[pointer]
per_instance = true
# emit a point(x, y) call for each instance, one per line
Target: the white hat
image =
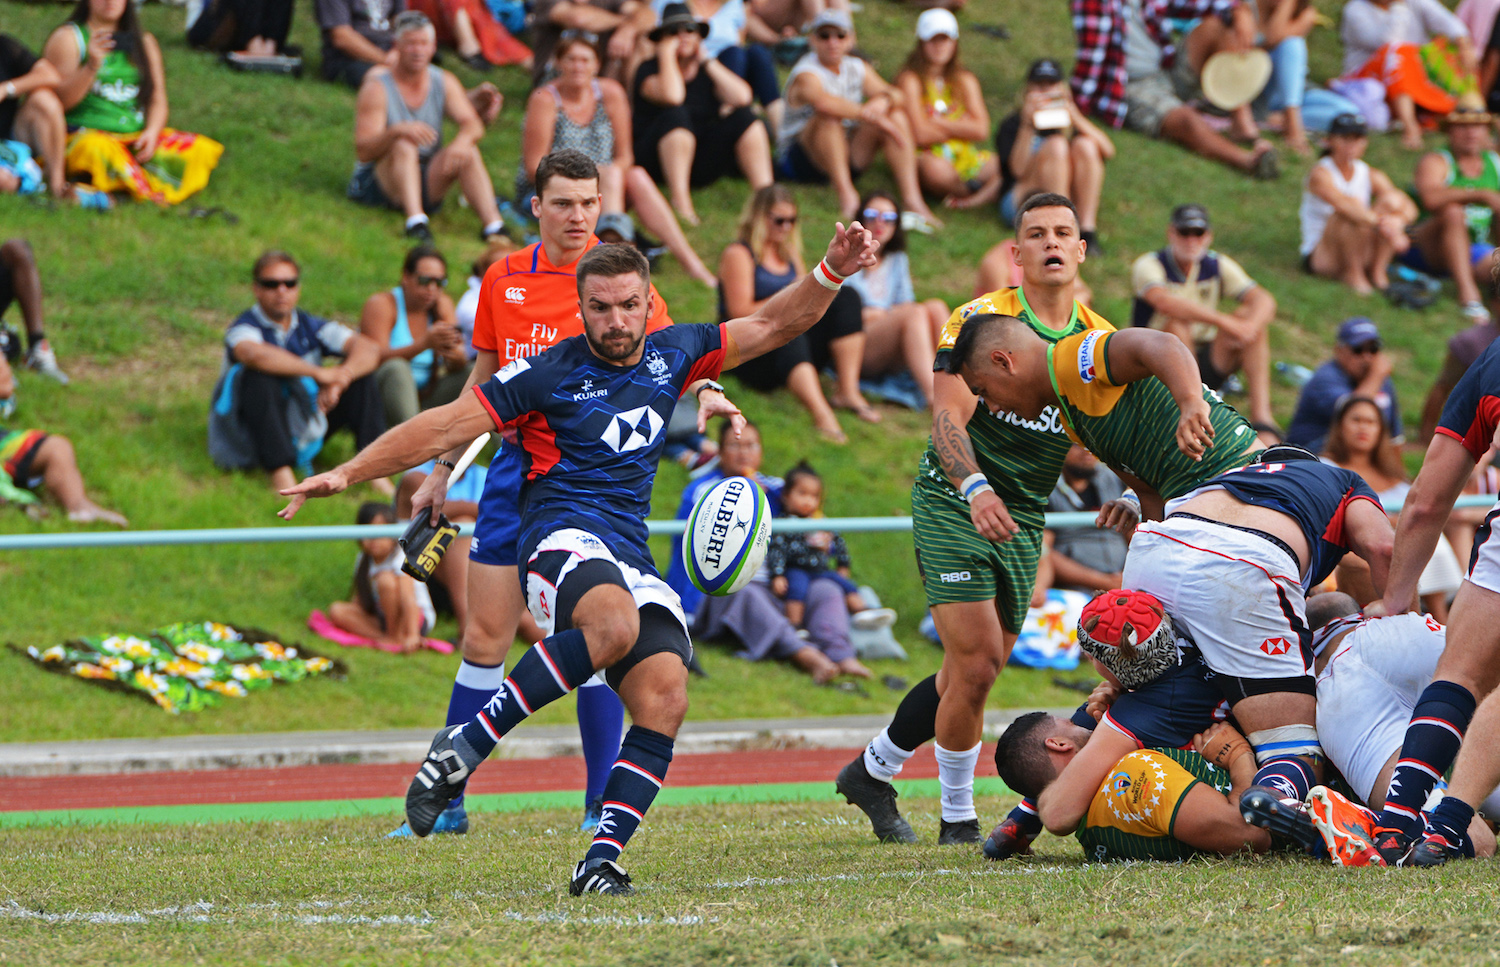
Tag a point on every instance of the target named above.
point(937, 22)
point(1233, 79)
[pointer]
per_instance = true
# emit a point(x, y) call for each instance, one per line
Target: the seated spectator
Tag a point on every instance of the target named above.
point(275, 401)
point(30, 111)
point(31, 459)
point(1353, 216)
point(1459, 191)
point(779, 20)
point(1067, 160)
point(581, 110)
point(1287, 101)
point(766, 258)
point(468, 304)
point(1358, 441)
point(1391, 41)
point(611, 27)
point(945, 107)
point(693, 123)
point(899, 330)
point(403, 163)
point(1358, 366)
point(1084, 558)
point(797, 560)
point(422, 358)
point(728, 41)
point(20, 282)
point(839, 112)
point(753, 615)
point(388, 606)
point(468, 27)
point(255, 27)
point(115, 97)
point(1463, 350)
point(1179, 289)
point(1132, 72)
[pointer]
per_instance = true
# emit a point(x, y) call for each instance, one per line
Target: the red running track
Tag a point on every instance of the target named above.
point(299, 783)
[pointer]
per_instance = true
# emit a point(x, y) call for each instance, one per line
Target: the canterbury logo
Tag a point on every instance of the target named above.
point(515, 293)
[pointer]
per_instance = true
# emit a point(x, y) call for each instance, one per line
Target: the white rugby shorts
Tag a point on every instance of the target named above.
point(1486, 570)
point(580, 545)
point(1232, 592)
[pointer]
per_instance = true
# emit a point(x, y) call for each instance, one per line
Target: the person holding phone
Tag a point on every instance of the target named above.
point(114, 91)
point(1048, 146)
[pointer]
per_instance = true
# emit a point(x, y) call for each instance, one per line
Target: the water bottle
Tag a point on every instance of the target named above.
point(1293, 374)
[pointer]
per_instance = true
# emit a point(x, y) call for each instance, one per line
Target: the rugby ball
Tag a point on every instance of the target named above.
point(727, 536)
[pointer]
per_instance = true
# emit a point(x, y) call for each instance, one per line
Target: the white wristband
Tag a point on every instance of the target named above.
point(974, 485)
point(826, 277)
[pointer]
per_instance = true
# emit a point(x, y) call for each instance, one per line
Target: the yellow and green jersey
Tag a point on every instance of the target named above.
point(1132, 427)
point(1135, 809)
point(1022, 458)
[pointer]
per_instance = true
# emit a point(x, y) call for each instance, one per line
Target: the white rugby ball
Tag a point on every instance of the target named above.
point(727, 536)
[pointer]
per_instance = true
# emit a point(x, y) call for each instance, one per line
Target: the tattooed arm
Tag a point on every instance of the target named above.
point(952, 406)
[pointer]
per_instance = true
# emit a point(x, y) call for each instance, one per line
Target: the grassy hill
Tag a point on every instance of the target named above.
point(137, 301)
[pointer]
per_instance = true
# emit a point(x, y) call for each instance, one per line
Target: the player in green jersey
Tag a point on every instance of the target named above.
point(977, 509)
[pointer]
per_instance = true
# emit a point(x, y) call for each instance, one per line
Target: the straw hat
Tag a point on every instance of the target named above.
point(1233, 79)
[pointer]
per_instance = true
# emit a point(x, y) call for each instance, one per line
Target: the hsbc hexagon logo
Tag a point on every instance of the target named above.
point(1276, 646)
point(632, 429)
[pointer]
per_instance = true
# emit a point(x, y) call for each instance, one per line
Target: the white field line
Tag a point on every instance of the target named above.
point(893, 875)
point(265, 913)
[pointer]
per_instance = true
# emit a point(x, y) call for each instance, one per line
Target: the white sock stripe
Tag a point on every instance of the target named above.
point(1421, 767)
point(484, 678)
point(510, 686)
point(612, 842)
point(1408, 813)
point(631, 766)
point(1439, 723)
point(484, 723)
point(625, 808)
point(562, 683)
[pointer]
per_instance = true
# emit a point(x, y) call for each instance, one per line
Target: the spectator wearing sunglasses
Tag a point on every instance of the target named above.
point(275, 400)
point(1359, 366)
point(610, 26)
point(422, 358)
point(693, 123)
point(839, 113)
point(900, 332)
point(765, 258)
point(1179, 288)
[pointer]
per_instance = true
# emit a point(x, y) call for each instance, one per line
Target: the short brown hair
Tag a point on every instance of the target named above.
point(611, 260)
point(568, 163)
point(270, 257)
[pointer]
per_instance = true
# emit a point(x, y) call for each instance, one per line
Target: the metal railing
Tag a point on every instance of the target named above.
point(288, 535)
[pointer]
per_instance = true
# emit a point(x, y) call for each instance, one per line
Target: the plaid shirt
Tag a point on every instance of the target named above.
point(1099, 71)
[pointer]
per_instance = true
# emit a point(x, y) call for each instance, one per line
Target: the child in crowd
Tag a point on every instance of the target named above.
point(797, 560)
point(388, 606)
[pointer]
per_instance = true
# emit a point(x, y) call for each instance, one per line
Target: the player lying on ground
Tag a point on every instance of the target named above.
point(1371, 675)
point(590, 415)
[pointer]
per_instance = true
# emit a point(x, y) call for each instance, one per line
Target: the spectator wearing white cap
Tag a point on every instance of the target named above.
point(946, 107)
point(839, 112)
point(1353, 216)
point(1049, 146)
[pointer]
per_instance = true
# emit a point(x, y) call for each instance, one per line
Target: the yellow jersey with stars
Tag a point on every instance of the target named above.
point(1133, 812)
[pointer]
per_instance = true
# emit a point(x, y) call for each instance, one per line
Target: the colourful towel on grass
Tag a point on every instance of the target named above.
point(323, 626)
point(185, 667)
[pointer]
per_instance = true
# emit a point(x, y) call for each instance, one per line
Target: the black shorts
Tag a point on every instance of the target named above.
point(1212, 378)
point(713, 158)
point(845, 316)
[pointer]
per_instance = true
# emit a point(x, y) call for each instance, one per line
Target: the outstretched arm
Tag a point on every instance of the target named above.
point(420, 438)
point(793, 310)
point(1445, 470)
point(1136, 354)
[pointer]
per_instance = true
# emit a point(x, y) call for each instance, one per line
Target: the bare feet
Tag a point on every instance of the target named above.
point(702, 274)
point(282, 478)
point(1299, 147)
point(91, 513)
point(1359, 284)
point(849, 203)
point(988, 194)
point(487, 101)
point(1411, 137)
point(685, 211)
point(816, 664)
point(852, 666)
point(833, 433)
point(859, 406)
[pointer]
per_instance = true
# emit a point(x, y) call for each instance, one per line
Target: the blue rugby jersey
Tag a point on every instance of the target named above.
point(1473, 409)
point(592, 433)
point(1314, 494)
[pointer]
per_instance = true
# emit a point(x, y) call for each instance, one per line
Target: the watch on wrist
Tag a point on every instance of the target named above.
point(709, 384)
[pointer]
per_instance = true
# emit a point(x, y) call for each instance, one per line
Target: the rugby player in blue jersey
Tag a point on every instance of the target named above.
point(590, 415)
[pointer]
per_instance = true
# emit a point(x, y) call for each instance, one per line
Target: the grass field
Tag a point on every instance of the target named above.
point(790, 884)
point(137, 301)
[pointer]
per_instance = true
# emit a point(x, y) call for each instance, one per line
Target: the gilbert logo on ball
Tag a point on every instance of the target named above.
point(727, 536)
